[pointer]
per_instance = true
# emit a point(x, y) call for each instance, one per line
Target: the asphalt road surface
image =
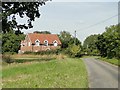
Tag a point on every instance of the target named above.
point(101, 74)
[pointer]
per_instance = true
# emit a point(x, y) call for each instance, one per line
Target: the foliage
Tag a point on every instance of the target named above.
point(74, 50)
point(90, 46)
point(11, 42)
point(7, 59)
point(112, 61)
point(42, 32)
point(11, 10)
point(68, 73)
point(70, 45)
point(67, 39)
point(0, 36)
point(109, 42)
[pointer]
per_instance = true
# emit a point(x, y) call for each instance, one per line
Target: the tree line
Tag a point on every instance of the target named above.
point(106, 44)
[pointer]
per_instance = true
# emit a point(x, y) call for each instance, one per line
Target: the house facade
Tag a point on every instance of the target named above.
point(35, 42)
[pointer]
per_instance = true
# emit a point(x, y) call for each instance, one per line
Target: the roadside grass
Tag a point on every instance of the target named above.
point(112, 61)
point(57, 73)
point(90, 57)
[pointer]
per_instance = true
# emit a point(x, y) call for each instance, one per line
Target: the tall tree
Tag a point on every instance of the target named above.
point(11, 42)
point(20, 9)
point(67, 39)
point(90, 46)
point(109, 42)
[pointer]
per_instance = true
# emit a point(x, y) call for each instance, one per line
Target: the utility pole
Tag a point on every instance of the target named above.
point(75, 38)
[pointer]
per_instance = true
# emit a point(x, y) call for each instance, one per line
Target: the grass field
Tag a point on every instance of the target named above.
point(56, 73)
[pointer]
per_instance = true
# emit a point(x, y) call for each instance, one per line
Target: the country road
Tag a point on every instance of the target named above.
point(101, 74)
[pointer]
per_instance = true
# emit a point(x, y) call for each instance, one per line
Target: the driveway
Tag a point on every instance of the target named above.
point(101, 74)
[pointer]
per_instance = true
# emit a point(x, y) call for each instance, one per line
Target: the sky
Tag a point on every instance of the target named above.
point(86, 18)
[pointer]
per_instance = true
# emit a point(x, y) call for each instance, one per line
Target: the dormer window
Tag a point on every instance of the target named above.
point(46, 43)
point(37, 42)
point(55, 43)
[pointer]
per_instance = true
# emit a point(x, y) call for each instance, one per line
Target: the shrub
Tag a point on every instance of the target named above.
point(7, 59)
point(74, 51)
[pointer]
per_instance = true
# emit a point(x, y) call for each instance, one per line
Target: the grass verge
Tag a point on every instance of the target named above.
point(112, 61)
point(64, 73)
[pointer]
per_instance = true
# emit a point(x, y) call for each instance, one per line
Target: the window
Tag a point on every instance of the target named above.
point(55, 43)
point(29, 44)
point(46, 43)
point(37, 42)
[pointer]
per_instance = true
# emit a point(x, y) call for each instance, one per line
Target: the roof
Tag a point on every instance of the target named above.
point(42, 37)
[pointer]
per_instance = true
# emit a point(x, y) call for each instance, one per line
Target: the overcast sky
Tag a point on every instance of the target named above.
point(85, 17)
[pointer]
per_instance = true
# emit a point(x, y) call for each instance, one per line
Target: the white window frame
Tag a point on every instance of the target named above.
point(55, 43)
point(45, 44)
point(37, 42)
point(29, 43)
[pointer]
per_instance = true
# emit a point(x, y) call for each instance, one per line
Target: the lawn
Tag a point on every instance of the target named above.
point(64, 73)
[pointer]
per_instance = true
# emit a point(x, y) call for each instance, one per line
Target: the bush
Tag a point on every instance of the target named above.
point(7, 59)
point(74, 51)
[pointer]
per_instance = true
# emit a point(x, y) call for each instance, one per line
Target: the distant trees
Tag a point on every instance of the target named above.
point(90, 46)
point(67, 39)
point(42, 32)
point(70, 44)
point(106, 44)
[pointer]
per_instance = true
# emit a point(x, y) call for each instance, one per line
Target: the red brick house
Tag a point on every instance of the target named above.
point(35, 42)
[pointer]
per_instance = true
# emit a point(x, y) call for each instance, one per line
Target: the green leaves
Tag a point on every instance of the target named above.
point(109, 42)
point(75, 49)
point(90, 46)
point(22, 9)
point(11, 42)
point(67, 39)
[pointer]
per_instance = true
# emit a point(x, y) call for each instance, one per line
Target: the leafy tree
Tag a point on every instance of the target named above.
point(90, 46)
point(70, 44)
point(101, 45)
point(11, 42)
point(21, 9)
point(67, 39)
point(42, 32)
point(109, 42)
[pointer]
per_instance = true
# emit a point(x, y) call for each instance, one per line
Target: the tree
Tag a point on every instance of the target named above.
point(21, 9)
point(70, 45)
point(42, 32)
point(101, 45)
point(67, 39)
point(90, 46)
point(11, 42)
point(109, 42)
